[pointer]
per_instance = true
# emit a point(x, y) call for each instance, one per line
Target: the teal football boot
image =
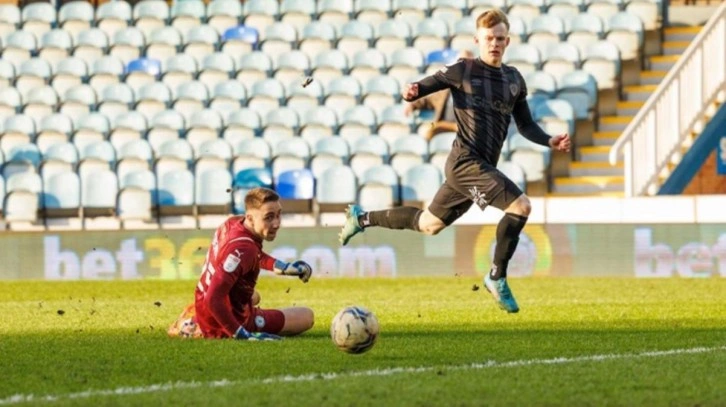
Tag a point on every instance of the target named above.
point(351, 227)
point(499, 289)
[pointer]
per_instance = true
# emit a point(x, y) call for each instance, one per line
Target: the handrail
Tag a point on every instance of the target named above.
point(673, 111)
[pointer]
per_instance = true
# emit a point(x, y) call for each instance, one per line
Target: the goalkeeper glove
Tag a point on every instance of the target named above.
point(246, 335)
point(298, 268)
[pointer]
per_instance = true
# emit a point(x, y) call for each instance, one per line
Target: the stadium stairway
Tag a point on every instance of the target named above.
point(590, 173)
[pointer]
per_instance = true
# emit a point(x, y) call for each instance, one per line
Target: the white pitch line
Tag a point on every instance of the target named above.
point(172, 386)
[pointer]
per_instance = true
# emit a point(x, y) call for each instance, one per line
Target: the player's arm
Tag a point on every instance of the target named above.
point(530, 129)
point(449, 76)
point(299, 268)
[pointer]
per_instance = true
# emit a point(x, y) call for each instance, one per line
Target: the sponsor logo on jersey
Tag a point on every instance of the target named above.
point(231, 263)
point(514, 88)
point(260, 321)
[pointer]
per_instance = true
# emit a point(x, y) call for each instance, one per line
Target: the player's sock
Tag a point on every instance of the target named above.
point(404, 217)
point(507, 238)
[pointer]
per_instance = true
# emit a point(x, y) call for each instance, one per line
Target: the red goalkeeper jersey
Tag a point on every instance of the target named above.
point(223, 298)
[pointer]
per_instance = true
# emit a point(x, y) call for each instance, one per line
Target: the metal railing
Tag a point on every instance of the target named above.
point(672, 112)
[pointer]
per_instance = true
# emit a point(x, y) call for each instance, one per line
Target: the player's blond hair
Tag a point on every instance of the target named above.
point(256, 197)
point(490, 18)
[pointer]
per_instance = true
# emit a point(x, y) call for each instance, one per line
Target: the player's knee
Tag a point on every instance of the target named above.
point(522, 206)
point(307, 318)
point(432, 230)
point(429, 224)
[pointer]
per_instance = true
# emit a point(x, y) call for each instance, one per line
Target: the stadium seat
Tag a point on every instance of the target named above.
point(90, 45)
point(9, 19)
point(430, 34)
point(265, 96)
point(163, 43)
point(297, 13)
point(165, 126)
point(78, 101)
point(318, 123)
point(127, 44)
point(419, 185)
point(410, 11)
point(279, 38)
point(525, 57)
point(241, 124)
point(405, 64)
point(335, 12)
point(391, 36)
point(292, 66)
point(367, 152)
point(297, 190)
point(239, 40)
point(144, 179)
point(367, 64)
point(104, 72)
point(178, 69)
point(320, 162)
point(152, 99)
point(18, 129)
point(356, 122)
point(254, 147)
point(394, 123)
point(188, 14)
point(381, 92)
point(585, 29)
point(38, 18)
point(355, 36)
point(627, 33)
point(54, 46)
point(541, 83)
point(244, 181)
point(336, 188)
point(253, 67)
point(449, 11)
point(98, 193)
point(10, 102)
point(176, 193)
point(372, 12)
point(580, 89)
point(22, 198)
point(546, 29)
point(227, 97)
point(213, 192)
point(113, 16)
point(127, 127)
point(647, 10)
point(560, 59)
point(603, 8)
point(40, 102)
point(602, 61)
point(527, 10)
point(317, 37)
point(514, 172)
point(216, 68)
point(555, 116)
point(150, 15)
point(64, 152)
point(259, 14)
point(329, 65)
point(90, 128)
point(224, 14)
point(204, 125)
point(342, 94)
point(283, 121)
point(565, 9)
point(406, 152)
point(135, 209)
point(32, 73)
point(62, 196)
point(436, 59)
point(382, 175)
point(53, 129)
point(18, 47)
point(116, 99)
point(190, 97)
point(199, 42)
point(303, 98)
point(7, 74)
point(462, 33)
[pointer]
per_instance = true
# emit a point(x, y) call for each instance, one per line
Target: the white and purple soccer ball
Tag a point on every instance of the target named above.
point(354, 329)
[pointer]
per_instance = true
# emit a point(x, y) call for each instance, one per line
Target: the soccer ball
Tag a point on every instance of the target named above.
point(354, 329)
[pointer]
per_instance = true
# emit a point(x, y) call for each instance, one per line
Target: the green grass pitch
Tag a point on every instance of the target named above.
point(576, 342)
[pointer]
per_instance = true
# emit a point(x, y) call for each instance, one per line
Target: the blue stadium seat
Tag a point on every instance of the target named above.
point(244, 181)
point(239, 40)
point(297, 190)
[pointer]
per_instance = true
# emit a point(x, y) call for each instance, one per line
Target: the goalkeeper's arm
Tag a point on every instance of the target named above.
point(299, 268)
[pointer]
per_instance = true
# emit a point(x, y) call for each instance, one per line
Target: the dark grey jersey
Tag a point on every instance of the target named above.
point(485, 99)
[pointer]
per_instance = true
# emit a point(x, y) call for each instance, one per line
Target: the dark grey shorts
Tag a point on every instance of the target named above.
point(470, 180)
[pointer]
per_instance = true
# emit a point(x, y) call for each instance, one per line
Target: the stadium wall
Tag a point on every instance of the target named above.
point(545, 250)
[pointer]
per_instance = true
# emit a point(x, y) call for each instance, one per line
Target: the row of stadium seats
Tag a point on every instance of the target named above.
point(143, 195)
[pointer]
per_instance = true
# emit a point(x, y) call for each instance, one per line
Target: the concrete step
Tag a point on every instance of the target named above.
point(652, 77)
point(663, 62)
point(628, 108)
point(614, 123)
point(588, 185)
point(605, 138)
point(597, 168)
point(593, 153)
point(638, 92)
point(681, 33)
point(675, 47)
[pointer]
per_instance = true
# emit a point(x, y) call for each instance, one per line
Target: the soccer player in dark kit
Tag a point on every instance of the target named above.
point(486, 94)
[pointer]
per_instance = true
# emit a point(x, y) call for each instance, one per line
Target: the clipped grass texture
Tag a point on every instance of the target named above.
point(575, 342)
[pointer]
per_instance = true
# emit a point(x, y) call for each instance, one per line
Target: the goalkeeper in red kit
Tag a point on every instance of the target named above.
point(226, 303)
